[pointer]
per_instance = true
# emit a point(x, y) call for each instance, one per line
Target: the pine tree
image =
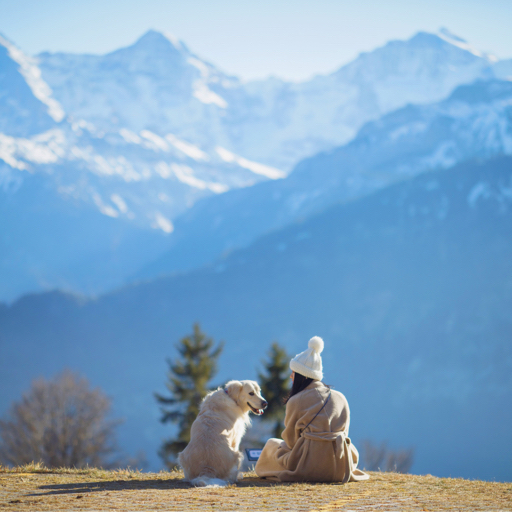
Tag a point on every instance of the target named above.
point(275, 385)
point(188, 379)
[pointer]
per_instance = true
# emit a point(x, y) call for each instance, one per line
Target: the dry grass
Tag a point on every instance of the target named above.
point(36, 488)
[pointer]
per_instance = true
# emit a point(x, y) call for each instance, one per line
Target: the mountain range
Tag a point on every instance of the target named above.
point(473, 122)
point(84, 209)
point(144, 190)
point(99, 151)
point(160, 85)
point(409, 286)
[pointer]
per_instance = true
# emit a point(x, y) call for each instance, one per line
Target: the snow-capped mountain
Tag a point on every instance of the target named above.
point(159, 85)
point(134, 138)
point(156, 84)
point(140, 179)
point(26, 103)
point(294, 121)
point(141, 175)
point(474, 122)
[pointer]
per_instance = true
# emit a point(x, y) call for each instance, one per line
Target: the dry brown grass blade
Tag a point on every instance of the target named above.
point(33, 487)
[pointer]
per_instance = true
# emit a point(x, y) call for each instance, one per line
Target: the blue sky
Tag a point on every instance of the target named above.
point(293, 39)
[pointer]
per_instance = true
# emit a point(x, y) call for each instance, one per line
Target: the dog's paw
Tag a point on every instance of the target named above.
point(240, 476)
point(205, 481)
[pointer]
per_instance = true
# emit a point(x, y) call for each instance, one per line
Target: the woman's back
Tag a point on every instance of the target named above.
point(334, 416)
point(315, 445)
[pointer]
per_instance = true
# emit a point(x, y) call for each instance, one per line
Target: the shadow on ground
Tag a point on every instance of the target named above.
point(129, 485)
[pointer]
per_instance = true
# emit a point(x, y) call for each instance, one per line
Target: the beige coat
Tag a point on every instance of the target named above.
point(323, 452)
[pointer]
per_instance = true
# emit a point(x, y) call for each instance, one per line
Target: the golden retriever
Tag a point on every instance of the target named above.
point(212, 456)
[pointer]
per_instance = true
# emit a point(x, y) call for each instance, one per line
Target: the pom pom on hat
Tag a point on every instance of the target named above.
point(316, 343)
point(309, 362)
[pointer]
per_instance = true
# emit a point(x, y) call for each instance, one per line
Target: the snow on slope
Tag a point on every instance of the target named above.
point(140, 177)
point(32, 75)
point(158, 84)
point(78, 197)
point(153, 177)
point(474, 122)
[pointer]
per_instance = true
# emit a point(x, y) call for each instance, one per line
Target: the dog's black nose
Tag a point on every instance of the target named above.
point(264, 405)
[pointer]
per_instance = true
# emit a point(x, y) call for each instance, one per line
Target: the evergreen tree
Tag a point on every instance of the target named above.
point(188, 379)
point(275, 385)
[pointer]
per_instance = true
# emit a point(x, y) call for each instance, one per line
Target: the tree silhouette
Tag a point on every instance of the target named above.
point(60, 423)
point(381, 458)
point(188, 379)
point(275, 386)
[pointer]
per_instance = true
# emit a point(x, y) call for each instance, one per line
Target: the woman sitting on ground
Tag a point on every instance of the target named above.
point(315, 445)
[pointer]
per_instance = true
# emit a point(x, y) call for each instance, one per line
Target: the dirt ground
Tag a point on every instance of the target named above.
point(35, 488)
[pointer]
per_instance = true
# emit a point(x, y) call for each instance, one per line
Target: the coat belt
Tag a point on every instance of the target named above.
point(342, 447)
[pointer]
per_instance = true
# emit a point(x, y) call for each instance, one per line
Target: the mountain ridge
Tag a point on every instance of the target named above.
point(264, 120)
point(78, 179)
point(473, 122)
point(129, 167)
point(409, 287)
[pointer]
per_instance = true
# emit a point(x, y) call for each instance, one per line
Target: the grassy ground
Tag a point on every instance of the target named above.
point(35, 488)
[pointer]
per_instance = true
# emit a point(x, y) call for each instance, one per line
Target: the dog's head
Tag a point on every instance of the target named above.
point(247, 395)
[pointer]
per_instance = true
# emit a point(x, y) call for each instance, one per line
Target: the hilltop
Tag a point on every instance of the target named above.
point(94, 489)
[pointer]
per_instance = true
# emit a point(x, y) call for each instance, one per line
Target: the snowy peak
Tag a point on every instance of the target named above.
point(27, 105)
point(161, 56)
point(425, 55)
point(153, 55)
point(155, 84)
point(443, 39)
point(423, 69)
point(457, 41)
point(153, 40)
point(153, 47)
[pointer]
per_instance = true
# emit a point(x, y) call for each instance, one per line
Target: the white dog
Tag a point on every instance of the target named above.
point(212, 456)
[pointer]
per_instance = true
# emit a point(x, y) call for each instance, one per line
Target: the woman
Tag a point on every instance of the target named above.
point(315, 445)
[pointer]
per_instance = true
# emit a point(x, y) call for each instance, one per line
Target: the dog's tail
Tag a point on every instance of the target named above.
point(206, 481)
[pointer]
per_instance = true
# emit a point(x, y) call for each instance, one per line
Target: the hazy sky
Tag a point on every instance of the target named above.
point(293, 39)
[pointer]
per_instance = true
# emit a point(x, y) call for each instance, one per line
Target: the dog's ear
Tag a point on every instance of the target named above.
point(257, 388)
point(234, 388)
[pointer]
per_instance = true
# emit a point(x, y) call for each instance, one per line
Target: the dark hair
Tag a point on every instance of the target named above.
point(300, 383)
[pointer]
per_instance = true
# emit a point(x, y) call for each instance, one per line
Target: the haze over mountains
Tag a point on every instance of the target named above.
point(160, 85)
point(473, 122)
point(371, 207)
point(140, 134)
point(411, 287)
point(64, 177)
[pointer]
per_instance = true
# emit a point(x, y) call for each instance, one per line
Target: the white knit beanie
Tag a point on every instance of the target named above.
point(309, 362)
